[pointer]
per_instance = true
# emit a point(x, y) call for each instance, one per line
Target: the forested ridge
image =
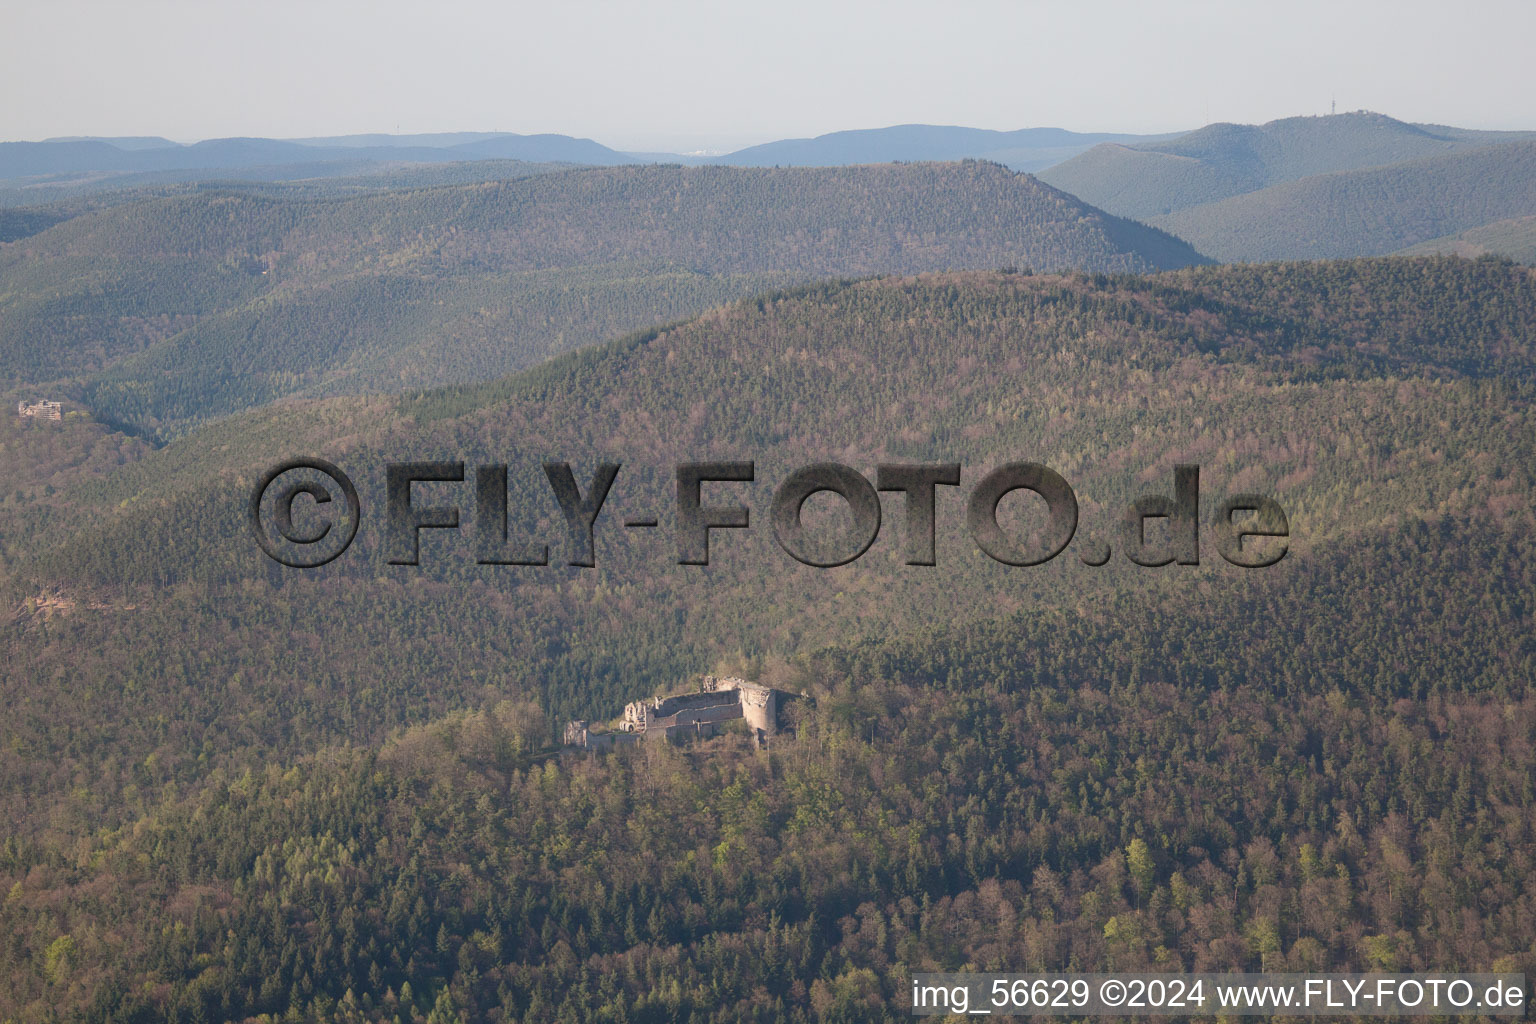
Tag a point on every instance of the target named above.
point(90, 167)
point(34, 207)
point(165, 312)
point(234, 790)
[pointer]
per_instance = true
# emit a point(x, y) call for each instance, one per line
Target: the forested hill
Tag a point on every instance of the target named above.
point(235, 789)
point(172, 310)
point(1368, 212)
point(1151, 179)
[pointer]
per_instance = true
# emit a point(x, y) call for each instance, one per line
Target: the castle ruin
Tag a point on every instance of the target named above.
point(689, 715)
point(44, 410)
point(579, 733)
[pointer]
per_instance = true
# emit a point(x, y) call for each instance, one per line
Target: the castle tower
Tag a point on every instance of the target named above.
point(760, 707)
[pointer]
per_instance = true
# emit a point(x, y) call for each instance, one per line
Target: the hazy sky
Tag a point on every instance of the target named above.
point(688, 75)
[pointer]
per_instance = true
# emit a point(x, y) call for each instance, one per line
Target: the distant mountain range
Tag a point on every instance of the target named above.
point(1343, 185)
point(1028, 149)
point(77, 156)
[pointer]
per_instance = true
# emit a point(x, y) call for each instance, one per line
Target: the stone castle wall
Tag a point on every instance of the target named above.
point(41, 410)
point(683, 715)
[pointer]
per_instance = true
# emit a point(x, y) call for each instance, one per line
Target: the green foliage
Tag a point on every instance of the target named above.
point(59, 958)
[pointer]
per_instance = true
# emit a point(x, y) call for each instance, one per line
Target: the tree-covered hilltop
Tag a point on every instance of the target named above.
point(1326, 770)
point(1154, 178)
point(165, 312)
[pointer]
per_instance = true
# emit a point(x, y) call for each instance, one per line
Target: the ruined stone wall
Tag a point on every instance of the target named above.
point(710, 715)
point(694, 701)
point(579, 736)
point(41, 410)
point(644, 715)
